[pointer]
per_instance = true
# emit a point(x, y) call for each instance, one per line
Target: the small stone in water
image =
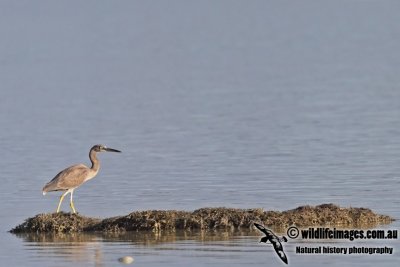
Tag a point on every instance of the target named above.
point(126, 259)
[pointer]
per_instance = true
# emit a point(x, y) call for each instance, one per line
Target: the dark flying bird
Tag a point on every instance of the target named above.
point(275, 241)
point(73, 177)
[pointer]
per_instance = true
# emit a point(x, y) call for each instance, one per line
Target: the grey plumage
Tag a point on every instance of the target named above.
point(69, 178)
point(72, 177)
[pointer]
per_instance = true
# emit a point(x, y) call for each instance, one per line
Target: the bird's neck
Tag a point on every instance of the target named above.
point(95, 162)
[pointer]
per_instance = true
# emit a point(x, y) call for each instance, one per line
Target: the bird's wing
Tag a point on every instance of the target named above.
point(261, 228)
point(268, 233)
point(279, 250)
point(71, 177)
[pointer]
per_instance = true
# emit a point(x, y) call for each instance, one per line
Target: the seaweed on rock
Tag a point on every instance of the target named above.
point(204, 219)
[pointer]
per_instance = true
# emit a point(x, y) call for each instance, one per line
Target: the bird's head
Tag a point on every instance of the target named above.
point(103, 148)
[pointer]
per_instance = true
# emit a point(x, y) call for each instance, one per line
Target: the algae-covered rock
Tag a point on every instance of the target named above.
point(330, 214)
point(215, 218)
point(55, 222)
point(153, 220)
point(205, 219)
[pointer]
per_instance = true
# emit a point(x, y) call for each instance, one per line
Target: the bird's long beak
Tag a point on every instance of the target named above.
point(111, 150)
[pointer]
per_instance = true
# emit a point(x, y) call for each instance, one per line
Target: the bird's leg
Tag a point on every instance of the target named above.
point(61, 199)
point(72, 203)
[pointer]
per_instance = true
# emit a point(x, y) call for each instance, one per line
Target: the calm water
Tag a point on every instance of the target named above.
point(262, 104)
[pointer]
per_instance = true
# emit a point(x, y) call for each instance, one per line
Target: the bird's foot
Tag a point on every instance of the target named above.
point(72, 207)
